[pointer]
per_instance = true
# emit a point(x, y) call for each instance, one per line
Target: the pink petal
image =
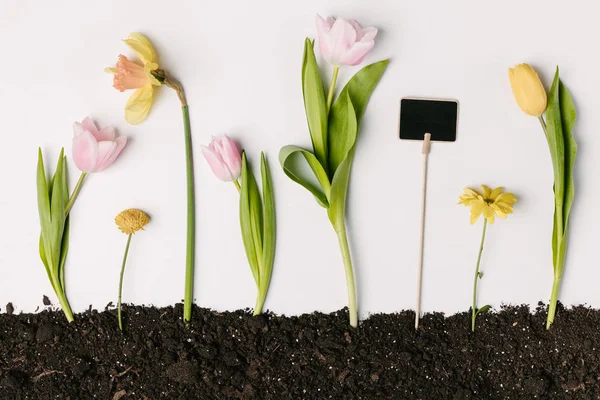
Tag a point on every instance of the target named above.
point(105, 150)
point(89, 125)
point(342, 36)
point(77, 128)
point(357, 53)
point(368, 34)
point(216, 164)
point(85, 151)
point(121, 141)
point(105, 134)
point(231, 156)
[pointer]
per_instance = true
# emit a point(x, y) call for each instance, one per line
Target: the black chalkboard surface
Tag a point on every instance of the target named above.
point(420, 116)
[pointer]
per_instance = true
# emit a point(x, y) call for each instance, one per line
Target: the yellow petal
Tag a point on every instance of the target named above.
point(142, 47)
point(495, 193)
point(477, 207)
point(486, 191)
point(506, 198)
point(504, 207)
point(488, 213)
point(110, 70)
point(471, 192)
point(499, 211)
point(528, 90)
point(138, 105)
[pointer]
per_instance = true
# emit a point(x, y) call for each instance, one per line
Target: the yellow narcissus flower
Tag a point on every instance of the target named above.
point(132, 75)
point(131, 220)
point(528, 90)
point(490, 203)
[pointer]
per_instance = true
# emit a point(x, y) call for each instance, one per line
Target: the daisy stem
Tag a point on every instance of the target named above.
point(475, 281)
point(75, 193)
point(332, 87)
point(121, 282)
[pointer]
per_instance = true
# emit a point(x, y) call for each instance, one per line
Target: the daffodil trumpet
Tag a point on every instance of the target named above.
point(144, 76)
point(489, 204)
point(558, 126)
point(333, 125)
point(129, 222)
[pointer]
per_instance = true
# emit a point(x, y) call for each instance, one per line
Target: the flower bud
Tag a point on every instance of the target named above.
point(528, 90)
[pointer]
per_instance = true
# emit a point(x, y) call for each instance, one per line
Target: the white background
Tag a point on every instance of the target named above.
point(240, 65)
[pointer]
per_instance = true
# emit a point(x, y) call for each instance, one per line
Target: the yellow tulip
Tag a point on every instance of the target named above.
point(132, 75)
point(528, 90)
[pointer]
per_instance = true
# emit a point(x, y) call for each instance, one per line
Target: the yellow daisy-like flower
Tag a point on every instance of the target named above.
point(490, 203)
point(131, 220)
point(132, 75)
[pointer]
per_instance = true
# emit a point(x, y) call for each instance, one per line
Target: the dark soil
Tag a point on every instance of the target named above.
point(233, 355)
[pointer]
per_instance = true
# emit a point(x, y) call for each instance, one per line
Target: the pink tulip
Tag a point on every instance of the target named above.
point(95, 150)
point(344, 42)
point(224, 158)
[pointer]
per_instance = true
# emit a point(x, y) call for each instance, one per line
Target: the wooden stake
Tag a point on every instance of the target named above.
point(425, 152)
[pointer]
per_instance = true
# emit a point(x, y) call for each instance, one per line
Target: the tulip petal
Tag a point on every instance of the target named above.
point(85, 151)
point(216, 164)
point(106, 134)
point(364, 34)
point(141, 46)
point(342, 37)
point(121, 141)
point(138, 105)
point(231, 156)
point(105, 150)
point(89, 125)
point(357, 53)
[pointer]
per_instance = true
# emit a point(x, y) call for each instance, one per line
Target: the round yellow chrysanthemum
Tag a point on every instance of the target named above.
point(131, 220)
point(490, 203)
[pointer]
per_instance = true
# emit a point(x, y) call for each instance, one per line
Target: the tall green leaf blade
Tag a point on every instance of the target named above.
point(315, 103)
point(341, 179)
point(246, 211)
point(568, 116)
point(359, 88)
point(57, 212)
point(555, 137)
point(269, 225)
point(42, 192)
point(321, 193)
point(63, 254)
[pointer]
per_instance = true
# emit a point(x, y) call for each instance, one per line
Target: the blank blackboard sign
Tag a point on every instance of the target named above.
point(420, 116)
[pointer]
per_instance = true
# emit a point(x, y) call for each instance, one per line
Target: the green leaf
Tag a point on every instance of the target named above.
point(339, 185)
point(63, 254)
point(315, 103)
point(57, 212)
point(483, 309)
point(359, 88)
point(554, 135)
point(286, 158)
point(568, 116)
point(42, 192)
point(269, 225)
point(248, 214)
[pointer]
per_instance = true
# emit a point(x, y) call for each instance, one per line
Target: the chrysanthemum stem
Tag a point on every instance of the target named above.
point(121, 282)
point(343, 242)
point(476, 280)
point(75, 193)
point(336, 70)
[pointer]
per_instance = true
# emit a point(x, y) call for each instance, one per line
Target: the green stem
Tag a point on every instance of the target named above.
point(64, 304)
point(121, 281)
point(343, 241)
point(553, 300)
point(332, 87)
point(75, 193)
point(474, 307)
point(191, 214)
point(260, 301)
point(237, 186)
